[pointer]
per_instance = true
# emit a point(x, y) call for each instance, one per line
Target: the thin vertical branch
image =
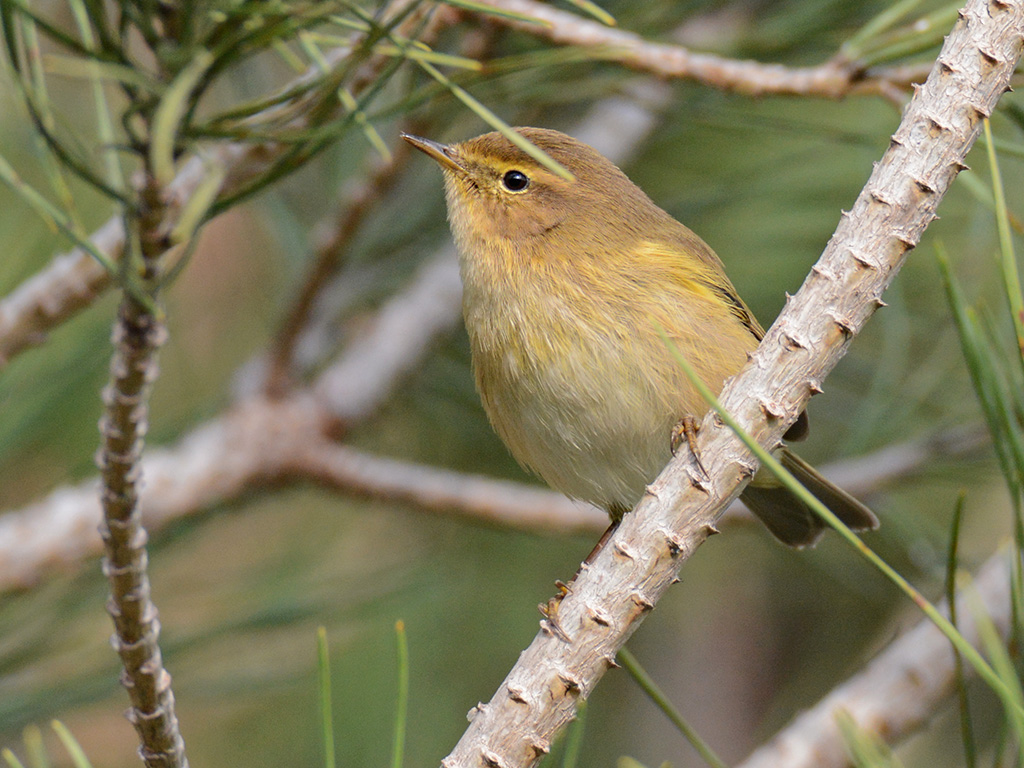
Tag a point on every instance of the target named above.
point(138, 336)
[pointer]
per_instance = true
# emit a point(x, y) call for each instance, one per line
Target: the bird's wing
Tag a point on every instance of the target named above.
point(711, 273)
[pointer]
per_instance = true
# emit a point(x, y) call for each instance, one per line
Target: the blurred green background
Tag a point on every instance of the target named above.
point(752, 635)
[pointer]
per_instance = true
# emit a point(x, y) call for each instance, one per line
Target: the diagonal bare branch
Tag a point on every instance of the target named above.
point(615, 592)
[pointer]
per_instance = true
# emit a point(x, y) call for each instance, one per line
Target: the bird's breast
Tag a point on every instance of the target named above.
point(577, 380)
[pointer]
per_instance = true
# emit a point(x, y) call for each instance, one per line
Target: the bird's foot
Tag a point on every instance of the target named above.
point(549, 611)
point(686, 429)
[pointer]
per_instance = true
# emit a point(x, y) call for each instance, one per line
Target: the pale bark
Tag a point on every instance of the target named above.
point(834, 79)
point(615, 592)
point(899, 690)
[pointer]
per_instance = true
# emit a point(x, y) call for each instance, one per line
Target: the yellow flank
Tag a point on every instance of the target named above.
point(568, 285)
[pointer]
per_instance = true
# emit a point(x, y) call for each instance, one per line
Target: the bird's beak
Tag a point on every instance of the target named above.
point(440, 152)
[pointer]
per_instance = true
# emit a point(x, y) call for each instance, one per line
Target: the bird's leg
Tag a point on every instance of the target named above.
point(549, 610)
point(599, 546)
point(686, 429)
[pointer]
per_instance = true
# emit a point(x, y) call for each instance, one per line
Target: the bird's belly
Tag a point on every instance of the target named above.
point(592, 427)
point(604, 463)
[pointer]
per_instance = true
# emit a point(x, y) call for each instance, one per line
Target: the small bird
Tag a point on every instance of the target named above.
point(567, 285)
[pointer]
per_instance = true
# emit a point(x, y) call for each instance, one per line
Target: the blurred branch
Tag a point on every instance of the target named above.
point(863, 475)
point(833, 80)
point(71, 282)
point(899, 691)
point(261, 443)
point(475, 497)
point(332, 240)
point(400, 334)
point(611, 596)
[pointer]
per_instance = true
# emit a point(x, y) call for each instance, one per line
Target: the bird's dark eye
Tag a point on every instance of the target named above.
point(515, 181)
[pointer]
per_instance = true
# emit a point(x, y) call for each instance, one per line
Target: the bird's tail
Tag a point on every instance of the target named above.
point(790, 520)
